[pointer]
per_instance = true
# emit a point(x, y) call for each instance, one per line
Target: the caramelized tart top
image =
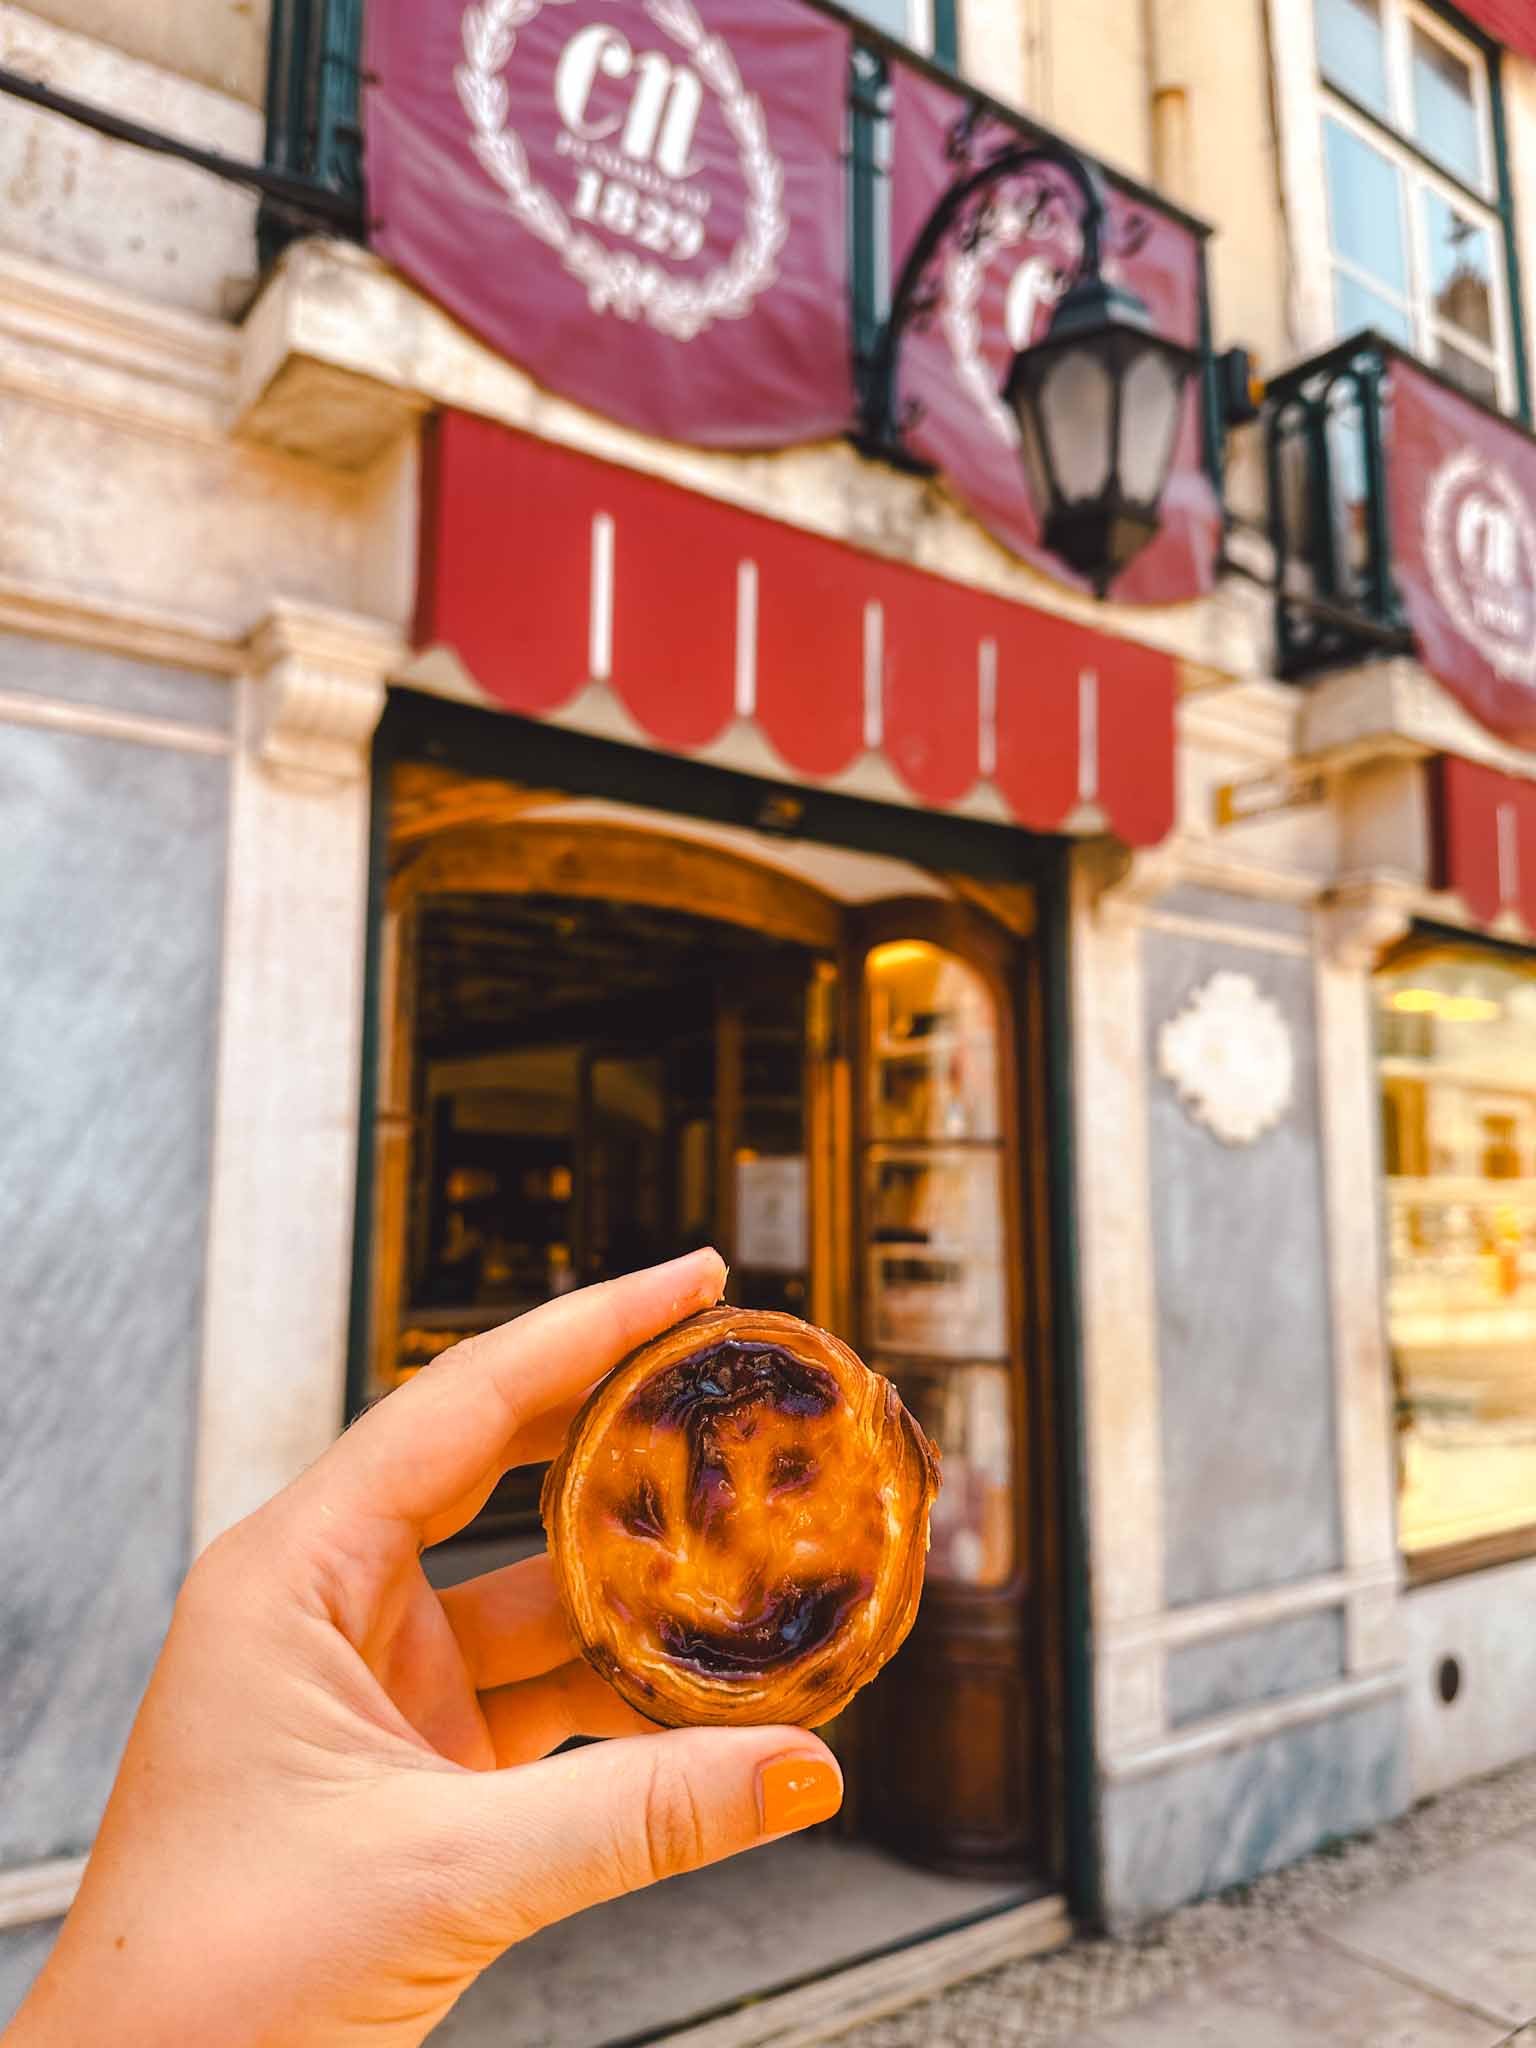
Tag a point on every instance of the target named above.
point(739, 1522)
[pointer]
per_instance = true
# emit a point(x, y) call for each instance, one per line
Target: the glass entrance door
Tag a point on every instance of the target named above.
point(948, 1751)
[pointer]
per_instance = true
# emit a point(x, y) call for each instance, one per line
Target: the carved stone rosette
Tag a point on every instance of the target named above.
point(1229, 1054)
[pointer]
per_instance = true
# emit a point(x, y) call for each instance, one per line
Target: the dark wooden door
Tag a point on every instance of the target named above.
point(948, 1766)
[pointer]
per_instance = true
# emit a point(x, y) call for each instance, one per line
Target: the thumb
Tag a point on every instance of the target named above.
point(552, 1838)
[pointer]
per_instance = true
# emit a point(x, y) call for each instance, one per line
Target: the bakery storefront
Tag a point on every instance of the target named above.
point(720, 865)
point(1430, 738)
point(627, 1001)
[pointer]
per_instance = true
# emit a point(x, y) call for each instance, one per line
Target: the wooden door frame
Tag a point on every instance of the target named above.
point(1021, 878)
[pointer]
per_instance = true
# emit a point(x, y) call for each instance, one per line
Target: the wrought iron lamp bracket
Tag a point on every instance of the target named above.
point(916, 293)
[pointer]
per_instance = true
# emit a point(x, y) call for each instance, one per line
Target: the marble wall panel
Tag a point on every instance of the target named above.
point(1228, 1818)
point(111, 896)
point(1259, 1664)
point(23, 1951)
point(1244, 1319)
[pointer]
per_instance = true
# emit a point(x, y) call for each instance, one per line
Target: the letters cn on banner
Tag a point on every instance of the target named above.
point(997, 297)
point(641, 202)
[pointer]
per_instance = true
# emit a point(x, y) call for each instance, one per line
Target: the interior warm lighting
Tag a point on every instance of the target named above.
point(1469, 1010)
point(903, 953)
point(1419, 1002)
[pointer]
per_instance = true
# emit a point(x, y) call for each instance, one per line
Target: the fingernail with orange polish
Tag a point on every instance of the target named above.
point(796, 1792)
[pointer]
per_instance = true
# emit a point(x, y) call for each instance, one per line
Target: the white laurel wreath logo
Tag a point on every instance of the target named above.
point(617, 281)
point(1517, 664)
point(965, 280)
point(965, 277)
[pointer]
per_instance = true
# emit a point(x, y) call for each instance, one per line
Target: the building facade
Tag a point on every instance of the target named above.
point(1143, 1068)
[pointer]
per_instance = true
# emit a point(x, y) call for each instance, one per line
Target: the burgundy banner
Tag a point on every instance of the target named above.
point(1462, 500)
point(1512, 22)
point(642, 202)
point(997, 298)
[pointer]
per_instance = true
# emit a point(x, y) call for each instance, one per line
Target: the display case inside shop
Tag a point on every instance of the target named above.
point(934, 1229)
point(935, 1251)
point(933, 1047)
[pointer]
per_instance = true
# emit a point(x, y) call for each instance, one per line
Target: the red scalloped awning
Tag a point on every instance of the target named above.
point(1484, 836)
point(1511, 22)
point(544, 570)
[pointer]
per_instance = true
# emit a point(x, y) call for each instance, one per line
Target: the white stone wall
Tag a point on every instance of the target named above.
point(222, 43)
point(100, 210)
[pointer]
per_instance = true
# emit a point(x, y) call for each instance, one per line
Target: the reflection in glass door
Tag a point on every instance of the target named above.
point(937, 1290)
point(948, 1768)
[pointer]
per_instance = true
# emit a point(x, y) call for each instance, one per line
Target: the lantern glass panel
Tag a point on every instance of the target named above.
point(1150, 407)
point(1036, 474)
point(1077, 409)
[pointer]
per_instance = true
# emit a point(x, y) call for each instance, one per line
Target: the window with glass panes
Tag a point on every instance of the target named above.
point(1416, 239)
point(1456, 1038)
point(925, 25)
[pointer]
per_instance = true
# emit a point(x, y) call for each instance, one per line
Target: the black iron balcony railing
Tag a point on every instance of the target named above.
point(1335, 596)
point(314, 117)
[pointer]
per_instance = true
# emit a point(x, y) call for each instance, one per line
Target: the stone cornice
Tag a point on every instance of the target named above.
point(85, 347)
point(138, 632)
point(1395, 707)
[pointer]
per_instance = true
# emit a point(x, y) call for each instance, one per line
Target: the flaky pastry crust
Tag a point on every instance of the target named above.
point(739, 1523)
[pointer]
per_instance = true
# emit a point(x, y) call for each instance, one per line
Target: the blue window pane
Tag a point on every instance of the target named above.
point(1352, 50)
point(1445, 108)
point(1460, 268)
point(1365, 200)
point(894, 16)
point(1356, 306)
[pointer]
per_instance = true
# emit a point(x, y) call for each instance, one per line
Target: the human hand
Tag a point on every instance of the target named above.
point(332, 1813)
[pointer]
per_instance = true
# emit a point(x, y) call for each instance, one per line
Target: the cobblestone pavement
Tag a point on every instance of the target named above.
point(1055, 1997)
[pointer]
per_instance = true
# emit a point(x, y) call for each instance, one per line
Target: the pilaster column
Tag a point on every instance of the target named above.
point(286, 1122)
point(1122, 1404)
point(1363, 917)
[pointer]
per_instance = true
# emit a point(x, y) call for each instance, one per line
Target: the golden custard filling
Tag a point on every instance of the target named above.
point(739, 1522)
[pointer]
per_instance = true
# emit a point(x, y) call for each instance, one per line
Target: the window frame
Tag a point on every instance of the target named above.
point(932, 30)
point(1487, 203)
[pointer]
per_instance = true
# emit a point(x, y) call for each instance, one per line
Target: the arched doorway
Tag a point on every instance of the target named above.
point(604, 1042)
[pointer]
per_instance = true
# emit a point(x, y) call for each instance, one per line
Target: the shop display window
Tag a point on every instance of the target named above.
point(1457, 1044)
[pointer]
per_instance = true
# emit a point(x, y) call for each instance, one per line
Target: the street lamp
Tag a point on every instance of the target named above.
point(1097, 402)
